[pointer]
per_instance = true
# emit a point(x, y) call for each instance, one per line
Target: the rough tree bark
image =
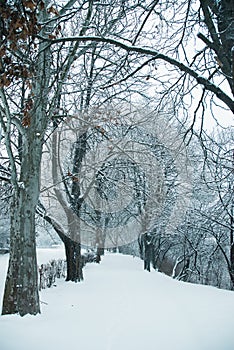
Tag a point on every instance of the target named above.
point(21, 288)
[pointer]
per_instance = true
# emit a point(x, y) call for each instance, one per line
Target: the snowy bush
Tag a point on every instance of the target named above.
point(90, 256)
point(57, 269)
point(50, 271)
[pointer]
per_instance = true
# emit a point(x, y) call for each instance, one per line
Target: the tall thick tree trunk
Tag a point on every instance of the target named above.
point(21, 287)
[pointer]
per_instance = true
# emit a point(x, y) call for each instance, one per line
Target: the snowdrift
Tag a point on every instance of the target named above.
point(121, 307)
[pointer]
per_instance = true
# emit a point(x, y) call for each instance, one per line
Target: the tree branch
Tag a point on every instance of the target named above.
point(208, 85)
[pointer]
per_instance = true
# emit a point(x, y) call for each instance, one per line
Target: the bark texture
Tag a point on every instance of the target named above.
point(21, 287)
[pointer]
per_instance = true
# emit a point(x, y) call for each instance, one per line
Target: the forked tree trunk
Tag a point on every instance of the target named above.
point(74, 259)
point(71, 240)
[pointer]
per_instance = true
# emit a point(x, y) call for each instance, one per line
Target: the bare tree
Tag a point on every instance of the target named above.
point(201, 249)
point(32, 77)
point(207, 70)
point(41, 42)
point(219, 219)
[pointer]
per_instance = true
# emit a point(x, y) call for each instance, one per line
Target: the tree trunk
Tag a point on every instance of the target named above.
point(100, 242)
point(74, 261)
point(71, 240)
point(21, 287)
point(73, 249)
point(100, 251)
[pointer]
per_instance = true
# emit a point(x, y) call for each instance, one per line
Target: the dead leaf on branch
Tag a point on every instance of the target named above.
point(73, 177)
point(53, 10)
point(19, 23)
point(51, 36)
point(100, 129)
point(29, 104)
point(41, 5)
point(4, 80)
point(29, 4)
point(29, 84)
point(26, 121)
point(2, 51)
point(13, 46)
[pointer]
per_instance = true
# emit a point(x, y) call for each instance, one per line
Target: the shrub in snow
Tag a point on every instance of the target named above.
point(90, 256)
point(50, 271)
point(57, 269)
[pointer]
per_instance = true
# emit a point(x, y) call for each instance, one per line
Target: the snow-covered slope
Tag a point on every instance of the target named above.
point(121, 307)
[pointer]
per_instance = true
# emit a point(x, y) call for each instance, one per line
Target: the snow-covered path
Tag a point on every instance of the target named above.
point(121, 307)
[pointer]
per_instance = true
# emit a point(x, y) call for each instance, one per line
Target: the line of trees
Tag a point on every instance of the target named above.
point(201, 248)
point(57, 58)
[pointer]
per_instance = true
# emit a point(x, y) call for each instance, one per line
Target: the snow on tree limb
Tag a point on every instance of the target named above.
point(208, 85)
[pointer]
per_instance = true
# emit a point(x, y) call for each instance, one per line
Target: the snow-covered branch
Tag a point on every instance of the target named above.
point(208, 85)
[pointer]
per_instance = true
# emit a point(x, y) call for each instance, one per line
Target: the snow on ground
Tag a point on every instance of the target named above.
point(45, 255)
point(121, 307)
